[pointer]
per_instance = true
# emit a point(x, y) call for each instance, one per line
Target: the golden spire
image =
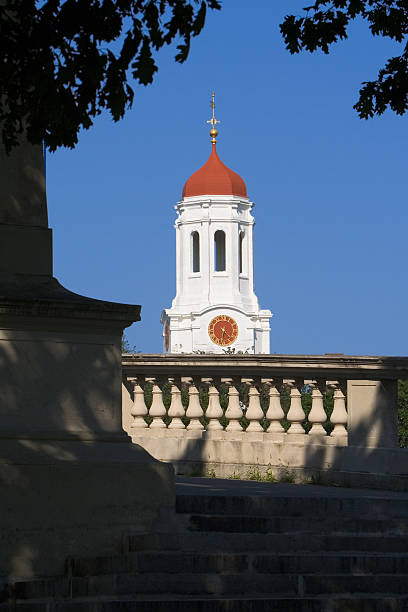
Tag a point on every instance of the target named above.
point(213, 120)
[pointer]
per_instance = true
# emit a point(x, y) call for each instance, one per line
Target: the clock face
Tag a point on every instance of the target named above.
point(223, 330)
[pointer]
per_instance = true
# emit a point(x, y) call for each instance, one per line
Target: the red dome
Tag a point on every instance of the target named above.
point(214, 178)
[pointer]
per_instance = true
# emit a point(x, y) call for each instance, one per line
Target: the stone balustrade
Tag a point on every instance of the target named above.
point(237, 417)
point(234, 412)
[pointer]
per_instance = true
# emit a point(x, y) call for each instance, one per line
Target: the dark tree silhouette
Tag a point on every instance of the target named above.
point(64, 61)
point(326, 22)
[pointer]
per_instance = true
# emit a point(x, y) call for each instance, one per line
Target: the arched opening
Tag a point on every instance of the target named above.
point(219, 246)
point(241, 244)
point(195, 250)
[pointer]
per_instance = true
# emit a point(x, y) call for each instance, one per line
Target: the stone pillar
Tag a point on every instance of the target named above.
point(73, 481)
point(25, 240)
point(372, 413)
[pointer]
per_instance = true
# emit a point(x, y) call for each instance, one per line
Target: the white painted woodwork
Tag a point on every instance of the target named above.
point(202, 291)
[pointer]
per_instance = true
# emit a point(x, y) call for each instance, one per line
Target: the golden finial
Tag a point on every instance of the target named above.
point(213, 120)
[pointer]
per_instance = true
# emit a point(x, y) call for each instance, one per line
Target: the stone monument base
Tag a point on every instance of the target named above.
point(62, 499)
point(71, 481)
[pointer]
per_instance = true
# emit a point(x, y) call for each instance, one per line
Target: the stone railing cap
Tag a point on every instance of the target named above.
point(329, 366)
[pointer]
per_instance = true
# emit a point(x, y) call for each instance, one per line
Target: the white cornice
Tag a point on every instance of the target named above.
point(214, 199)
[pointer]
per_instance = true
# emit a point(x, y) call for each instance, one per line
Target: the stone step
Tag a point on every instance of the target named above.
point(244, 542)
point(213, 584)
point(161, 561)
point(282, 563)
point(342, 604)
point(332, 563)
point(315, 507)
point(154, 583)
point(284, 524)
point(363, 603)
point(349, 585)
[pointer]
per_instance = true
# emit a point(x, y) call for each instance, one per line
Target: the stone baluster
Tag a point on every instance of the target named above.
point(157, 409)
point(296, 414)
point(176, 410)
point(254, 413)
point(139, 409)
point(275, 413)
point(339, 415)
point(214, 410)
point(194, 411)
point(317, 414)
point(234, 411)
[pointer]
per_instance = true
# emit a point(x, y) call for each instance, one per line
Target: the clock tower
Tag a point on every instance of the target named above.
point(215, 307)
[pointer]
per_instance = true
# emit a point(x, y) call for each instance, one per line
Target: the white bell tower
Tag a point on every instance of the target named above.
point(215, 305)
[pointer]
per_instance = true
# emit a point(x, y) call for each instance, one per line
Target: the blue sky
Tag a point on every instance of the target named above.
point(329, 189)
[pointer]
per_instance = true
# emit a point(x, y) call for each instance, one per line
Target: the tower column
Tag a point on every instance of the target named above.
point(179, 261)
point(234, 251)
point(251, 256)
point(206, 253)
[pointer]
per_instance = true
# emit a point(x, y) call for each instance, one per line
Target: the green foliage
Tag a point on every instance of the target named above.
point(210, 473)
point(307, 405)
point(256, 474)
point(223, 390)
point(127, 347)
point(234, 476)
point(327, 21)
point(184, 395)
point(65, 61)
point(285, 403)
point(328, 405)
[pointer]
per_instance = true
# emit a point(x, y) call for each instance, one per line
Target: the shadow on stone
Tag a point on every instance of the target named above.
point(71, 481)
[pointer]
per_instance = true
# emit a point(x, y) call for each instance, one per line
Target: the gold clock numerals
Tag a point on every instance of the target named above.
point(223, 330)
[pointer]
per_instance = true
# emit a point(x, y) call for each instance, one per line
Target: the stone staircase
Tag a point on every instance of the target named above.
point(243, 553)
